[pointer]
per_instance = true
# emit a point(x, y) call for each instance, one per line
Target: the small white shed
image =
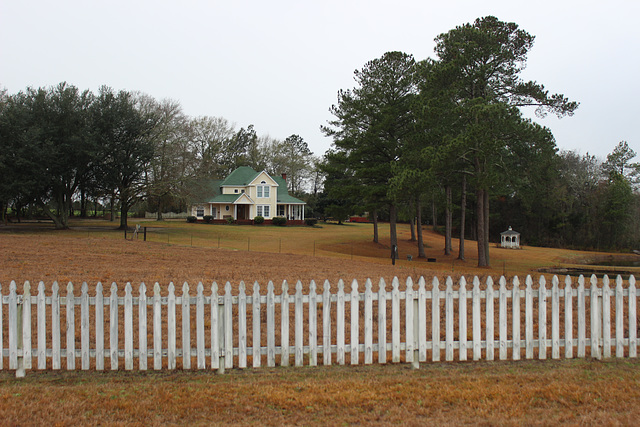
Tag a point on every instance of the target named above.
point(510, 239)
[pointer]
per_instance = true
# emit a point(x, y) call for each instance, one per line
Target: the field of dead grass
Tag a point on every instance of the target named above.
point(527, 392)
point(93, 251)
point(575, 392)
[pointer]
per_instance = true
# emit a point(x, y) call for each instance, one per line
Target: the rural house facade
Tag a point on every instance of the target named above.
point(245, 194)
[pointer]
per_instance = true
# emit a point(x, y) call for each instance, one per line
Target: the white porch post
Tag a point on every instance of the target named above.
point(235, 212)
point(302, 213)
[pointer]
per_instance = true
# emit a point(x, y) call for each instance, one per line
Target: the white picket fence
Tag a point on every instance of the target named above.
point(409, 327)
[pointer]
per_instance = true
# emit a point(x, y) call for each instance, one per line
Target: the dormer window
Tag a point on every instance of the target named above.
point(263, 190)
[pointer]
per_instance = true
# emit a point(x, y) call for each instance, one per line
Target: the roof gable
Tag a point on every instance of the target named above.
point(263, 176)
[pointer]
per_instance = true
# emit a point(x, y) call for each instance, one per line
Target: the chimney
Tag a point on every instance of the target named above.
point(284, 176)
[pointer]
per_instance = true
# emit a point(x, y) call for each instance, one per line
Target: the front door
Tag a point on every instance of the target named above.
point(243, 212)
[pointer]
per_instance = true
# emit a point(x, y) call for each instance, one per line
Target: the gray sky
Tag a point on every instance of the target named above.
point(279, 64)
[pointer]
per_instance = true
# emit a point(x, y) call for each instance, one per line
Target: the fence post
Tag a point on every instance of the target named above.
point(20, 373)
point(221, 334)
point(416, 342)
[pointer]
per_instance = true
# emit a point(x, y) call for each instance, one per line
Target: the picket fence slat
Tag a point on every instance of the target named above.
point(515, 304)
point(71, 330)
point(284, 329)
point(271, 325)
point(42, 328)
point(313, 324)
point(26, 326)
point(633, 339)
point(355, 323)
point(326, 323)
point(568, 318)
point(462, 309)
point(55, 326)
point(603, 306)
point(157, 328)
point(143, 328)
point(490, 330)
point(255, 306)
point(382, 322)
point(395, 320)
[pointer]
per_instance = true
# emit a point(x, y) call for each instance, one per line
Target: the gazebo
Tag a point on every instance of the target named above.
point(510, 239)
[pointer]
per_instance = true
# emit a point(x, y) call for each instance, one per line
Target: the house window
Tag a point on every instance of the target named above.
point(263, 190)
point(226, 208)
point(235, 191)
point(263, 211)
point(200, 211)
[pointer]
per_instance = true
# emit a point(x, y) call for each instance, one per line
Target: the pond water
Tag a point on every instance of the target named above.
point(618, 263)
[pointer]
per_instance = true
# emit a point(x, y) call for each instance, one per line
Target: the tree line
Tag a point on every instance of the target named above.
point(450, 133)
point(60, 147)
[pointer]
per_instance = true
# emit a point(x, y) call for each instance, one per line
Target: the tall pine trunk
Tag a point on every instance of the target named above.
point(448, 221)
point(483, 256)
point(434, 215)
point(421, 253)
point(393, 236)
point(412, 226)
point(463, 217)
point(375, 226)
point(486, 225)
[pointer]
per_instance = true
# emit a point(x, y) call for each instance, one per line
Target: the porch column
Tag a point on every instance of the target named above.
point(302, 213)
point(235, 212)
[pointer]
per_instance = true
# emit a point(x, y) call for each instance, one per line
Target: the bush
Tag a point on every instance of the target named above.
point(258, 220)
point(192, 219)
point(207, 219)
point(311, 222)
point(230, 220)
point(279, 220)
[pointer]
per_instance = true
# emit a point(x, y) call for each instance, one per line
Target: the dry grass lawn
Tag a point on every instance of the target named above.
point(573, 392)
point(528, 392)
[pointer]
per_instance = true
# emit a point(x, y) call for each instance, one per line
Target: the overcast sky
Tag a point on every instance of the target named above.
point(279, 64)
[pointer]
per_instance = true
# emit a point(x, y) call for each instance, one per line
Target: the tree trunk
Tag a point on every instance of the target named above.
point(448, 221)
point(159, 210)
point(481, 223)
point(463, 215)
point(56, 221)
point(393, 236)
point(124, 213)
point(486, 226)
point(412, 226)
point(434, 215)
point(375, 226)
point(421, 253)
point(83, 204)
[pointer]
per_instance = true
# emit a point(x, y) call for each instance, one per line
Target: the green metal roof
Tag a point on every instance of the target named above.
point(240, 177)
point(283, 194)
point(224, 198)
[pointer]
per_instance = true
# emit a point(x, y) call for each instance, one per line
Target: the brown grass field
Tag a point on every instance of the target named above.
point(505, 393)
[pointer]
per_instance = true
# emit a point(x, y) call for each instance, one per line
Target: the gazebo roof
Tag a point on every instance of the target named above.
point(510, 232)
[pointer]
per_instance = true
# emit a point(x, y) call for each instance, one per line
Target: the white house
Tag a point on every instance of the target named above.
point(245, 194)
